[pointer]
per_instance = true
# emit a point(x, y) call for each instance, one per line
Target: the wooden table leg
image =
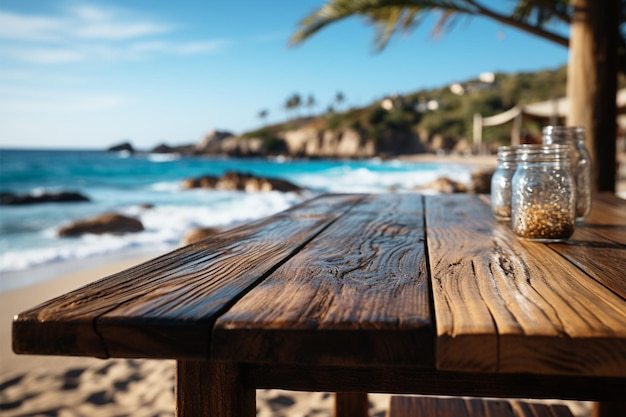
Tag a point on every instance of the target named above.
point(351, 404)
point(212, 388)
point(609, 409)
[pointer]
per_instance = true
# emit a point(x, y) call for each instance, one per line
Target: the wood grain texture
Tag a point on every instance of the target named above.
point(402, 406)
point(165, 308)
point(358, 294)
point(212, 389)
point(598, 255)
point(405, 380)
point(608, 217)
point(506, 305)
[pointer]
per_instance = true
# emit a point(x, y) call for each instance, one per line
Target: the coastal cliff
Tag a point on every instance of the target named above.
point(306, 141)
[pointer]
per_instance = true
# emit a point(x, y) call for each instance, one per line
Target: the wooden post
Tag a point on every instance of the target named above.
point(351, 404)
point(478, 133)
point(609, 409)
point(212, 389)
point(592, 82)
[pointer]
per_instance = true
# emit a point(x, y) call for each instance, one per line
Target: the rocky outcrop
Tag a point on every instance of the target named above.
point(196, 235)
point(481, 180)
point(307, 142)
point(213, 142)
point(180, 149)
point(480, 183)
point(122, 147)
point(445, 185)
point(23, 199)
point(311, 142)
point(235, 181)
point(106, 223)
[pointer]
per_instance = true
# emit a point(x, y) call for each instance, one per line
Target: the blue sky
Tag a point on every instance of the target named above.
point(89, 74)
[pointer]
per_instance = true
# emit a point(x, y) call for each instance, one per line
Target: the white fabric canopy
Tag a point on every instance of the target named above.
point(558, 107)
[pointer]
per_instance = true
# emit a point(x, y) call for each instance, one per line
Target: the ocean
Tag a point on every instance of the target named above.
point(125, 183)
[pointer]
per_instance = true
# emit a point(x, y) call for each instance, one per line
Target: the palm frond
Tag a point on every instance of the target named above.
point(390, 16)
point(394, 16)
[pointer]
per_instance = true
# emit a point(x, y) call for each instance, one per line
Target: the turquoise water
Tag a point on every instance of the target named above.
point(118, 182)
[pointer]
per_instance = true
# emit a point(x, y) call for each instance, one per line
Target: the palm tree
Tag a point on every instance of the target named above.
point(294, 102)
point(310, 103)
point(597, 50)
point(263, 115)
point(339, 98)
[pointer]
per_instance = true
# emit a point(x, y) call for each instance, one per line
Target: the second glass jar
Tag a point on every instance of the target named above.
point(574, 137)
point(501, 183)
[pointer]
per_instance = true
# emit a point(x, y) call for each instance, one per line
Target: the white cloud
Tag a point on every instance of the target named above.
point(91, 33)
point(32, 101)
point(89, 12)
point(15, 26)
point(43, 55)
point(78, 23)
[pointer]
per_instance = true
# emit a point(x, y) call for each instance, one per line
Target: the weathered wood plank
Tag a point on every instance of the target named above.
point(607, 218)
point(405, 380)
point(529, 409)
point(506, 305)
point(456, 235)
point(600, 257)
point(165, 308)
point(471, 407)
point(429, 406)
point(358, 294)
point(609, 198)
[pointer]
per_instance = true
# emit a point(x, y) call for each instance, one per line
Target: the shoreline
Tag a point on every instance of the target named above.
point(38, 274)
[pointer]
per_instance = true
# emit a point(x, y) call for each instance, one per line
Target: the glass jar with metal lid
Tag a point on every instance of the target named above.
point(501, 183)
point(543, 204)
point(580, 161)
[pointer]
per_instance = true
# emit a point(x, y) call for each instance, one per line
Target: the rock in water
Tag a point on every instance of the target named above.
point(481, 181)
point(196, 235)
point(22, 199)
point(236, 181)
point(125, 146)
point(447, 186)
point(106, 223)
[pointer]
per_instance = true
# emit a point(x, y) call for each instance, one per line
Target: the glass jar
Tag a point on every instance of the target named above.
point(543, 203)
point(580, 161)
point(501, 183)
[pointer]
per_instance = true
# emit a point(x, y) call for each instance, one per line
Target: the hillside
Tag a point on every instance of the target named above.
point(432, 119)
point(423, 121)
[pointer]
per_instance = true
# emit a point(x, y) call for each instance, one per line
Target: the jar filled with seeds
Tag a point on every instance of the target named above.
point(580, 161)
point(543, 204)
point(501, 183)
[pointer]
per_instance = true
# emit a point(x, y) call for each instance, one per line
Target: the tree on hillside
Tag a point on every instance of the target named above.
point(263, 115)
point(293, 103)
point(310, 103)
point(339, 98)
point(597, 50)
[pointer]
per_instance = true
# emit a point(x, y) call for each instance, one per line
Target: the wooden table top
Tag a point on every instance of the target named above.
point(378, 281)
